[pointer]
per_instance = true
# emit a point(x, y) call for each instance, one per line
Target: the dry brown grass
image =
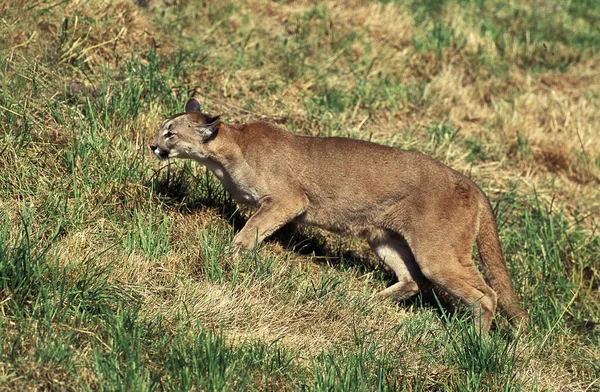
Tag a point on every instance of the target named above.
point(537, 130)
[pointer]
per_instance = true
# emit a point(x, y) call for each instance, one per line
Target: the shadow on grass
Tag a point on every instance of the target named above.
point(323, 253)
point(174, 188)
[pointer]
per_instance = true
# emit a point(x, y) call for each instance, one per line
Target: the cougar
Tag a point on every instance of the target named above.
point(419, 216)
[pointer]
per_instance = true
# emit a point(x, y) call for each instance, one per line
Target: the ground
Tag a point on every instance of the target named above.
point(116, 270)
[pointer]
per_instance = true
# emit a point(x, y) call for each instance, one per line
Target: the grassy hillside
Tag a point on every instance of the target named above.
point(116, 271)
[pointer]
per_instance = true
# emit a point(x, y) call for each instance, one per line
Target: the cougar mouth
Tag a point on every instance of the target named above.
point(162, 155)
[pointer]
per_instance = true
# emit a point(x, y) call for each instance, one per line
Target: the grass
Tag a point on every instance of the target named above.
point(116, 270)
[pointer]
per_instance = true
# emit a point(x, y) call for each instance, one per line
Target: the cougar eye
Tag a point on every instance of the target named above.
point(168, 134)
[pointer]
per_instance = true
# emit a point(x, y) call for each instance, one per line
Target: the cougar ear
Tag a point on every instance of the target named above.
point(209, 130)
point(213, 120)
point(192, 105)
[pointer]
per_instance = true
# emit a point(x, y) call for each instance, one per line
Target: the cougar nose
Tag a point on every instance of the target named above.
point(153, 147)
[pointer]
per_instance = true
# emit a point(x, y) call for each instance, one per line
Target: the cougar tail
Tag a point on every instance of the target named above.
point(495, 269)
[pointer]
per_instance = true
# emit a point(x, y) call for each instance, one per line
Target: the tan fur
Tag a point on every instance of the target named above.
point(419, 216)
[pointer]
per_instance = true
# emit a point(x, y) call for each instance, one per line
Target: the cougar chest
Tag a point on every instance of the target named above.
point(237, 186)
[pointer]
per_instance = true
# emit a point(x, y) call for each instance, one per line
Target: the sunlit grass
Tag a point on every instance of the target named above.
point(116, 270)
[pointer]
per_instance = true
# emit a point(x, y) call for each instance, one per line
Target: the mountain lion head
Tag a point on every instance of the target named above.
point(184, 135)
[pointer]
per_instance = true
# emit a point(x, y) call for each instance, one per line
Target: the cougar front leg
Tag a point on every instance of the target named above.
point(273, 213)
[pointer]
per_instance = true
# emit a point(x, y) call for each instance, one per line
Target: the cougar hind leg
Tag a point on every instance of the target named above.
point(460, 278)
point(393, 250)
point(446, 261)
